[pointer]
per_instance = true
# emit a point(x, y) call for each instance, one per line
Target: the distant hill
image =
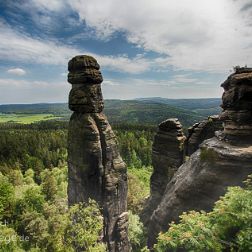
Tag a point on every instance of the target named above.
point(205, 107)
point(37, 108)
point(149, 111)
point(144, 112)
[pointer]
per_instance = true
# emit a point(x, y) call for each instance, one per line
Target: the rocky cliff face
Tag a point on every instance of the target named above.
point(200, 132)
point(95, 167)
point(222, 161)
point(237, 105)
point(167, 156)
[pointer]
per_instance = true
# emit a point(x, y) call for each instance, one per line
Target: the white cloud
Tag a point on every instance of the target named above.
point(192, 34)
point(15, 46)
point(48, 5)
point(26, 91)
point(184, 78)
point(110, 83)
point(130, 88)
point(124, 64)
point(35, 84)
point(17, 71)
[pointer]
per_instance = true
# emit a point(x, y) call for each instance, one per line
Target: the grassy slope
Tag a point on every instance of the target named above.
point(26, 118)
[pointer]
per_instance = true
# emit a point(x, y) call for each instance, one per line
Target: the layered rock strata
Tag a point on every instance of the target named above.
point(200, 132)
point(237, 105)
point(222, 161)
point(95, 167)
point(167, 156)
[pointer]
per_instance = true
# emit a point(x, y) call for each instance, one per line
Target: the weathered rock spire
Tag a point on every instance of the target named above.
point(95, 167)
point(237, 105)
point(221, 161)
point(167, 156)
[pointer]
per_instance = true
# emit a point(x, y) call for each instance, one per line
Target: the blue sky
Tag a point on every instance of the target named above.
point(146, 48)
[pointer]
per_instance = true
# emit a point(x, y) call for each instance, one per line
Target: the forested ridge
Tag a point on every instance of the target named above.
point(149, 111)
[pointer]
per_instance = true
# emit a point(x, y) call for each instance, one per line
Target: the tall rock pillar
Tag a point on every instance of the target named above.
point(237, 105)
point(95, 167)
point(167, 156)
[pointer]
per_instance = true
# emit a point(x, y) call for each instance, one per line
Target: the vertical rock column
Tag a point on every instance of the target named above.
point(95, 167)
point(237, 105)
point(167, 156)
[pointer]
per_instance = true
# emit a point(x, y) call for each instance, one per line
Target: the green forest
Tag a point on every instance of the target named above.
point(33, 198)
point(148, 111)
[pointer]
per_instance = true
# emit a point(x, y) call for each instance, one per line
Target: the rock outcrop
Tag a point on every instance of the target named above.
point(200, 132)
point(237, 105)
point(167, 156)
point(95, 167)
point(222, 161)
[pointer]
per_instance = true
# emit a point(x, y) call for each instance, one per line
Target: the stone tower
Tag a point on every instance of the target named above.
point(237, 105)
point(95, 167)
point(167, 157)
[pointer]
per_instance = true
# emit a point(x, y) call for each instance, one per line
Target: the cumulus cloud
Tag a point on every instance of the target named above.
point(17, 71)
point(119, 63)
point(191, 34)
point(15, 46)
point(48, 5)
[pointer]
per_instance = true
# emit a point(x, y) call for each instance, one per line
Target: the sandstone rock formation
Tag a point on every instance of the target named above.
point(222, 161)
point(95, 167)
point(167, 156)
point(200, 132)
point(237, 105)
